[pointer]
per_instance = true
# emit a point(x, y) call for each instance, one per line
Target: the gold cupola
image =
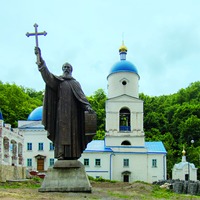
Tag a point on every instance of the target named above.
point(183, 152)
point(123, 51)
point(123, 48)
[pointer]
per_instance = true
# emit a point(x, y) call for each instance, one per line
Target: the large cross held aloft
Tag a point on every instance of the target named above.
point(36, 38)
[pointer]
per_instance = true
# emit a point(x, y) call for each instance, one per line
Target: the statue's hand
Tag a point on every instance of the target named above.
point(89, 109)
point(37, 51)
point(40, 61)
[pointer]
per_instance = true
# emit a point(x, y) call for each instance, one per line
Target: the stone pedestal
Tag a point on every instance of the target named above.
point(66, 176)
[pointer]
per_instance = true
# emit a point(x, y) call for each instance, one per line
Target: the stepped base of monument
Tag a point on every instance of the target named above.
point(66, 176)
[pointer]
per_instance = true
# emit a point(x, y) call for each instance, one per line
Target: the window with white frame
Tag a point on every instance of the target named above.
point(51, 162)
point(86, 162)
point(51, 147)
point(29, 162)
point(126, 162)
point(29, 146)
point(98, 162)
point(40, 146)
point(154, 162)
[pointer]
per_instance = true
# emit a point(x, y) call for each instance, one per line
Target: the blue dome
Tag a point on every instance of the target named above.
point(36, 114)
point(123, 66)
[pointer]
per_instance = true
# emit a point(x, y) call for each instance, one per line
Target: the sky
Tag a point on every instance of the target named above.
point(162, 37)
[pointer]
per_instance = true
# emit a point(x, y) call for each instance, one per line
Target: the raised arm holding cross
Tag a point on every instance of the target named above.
point(36, 33)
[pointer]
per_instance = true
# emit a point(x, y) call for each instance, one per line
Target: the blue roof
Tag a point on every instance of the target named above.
point(99, 146)
point(155, 147)
point(123, 66)
point(36, 115)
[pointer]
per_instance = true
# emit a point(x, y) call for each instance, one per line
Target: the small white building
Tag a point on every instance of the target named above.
point(11, 153)
point(184, 170)
point(38, 149)
point(124, 155)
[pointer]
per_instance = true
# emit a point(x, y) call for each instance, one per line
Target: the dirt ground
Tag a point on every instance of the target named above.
point(100, 190)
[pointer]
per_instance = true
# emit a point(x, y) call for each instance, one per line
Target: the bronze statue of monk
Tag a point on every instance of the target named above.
point(63, 111)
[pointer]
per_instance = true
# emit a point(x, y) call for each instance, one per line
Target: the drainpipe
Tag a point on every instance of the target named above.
point(148, 168)
point(164, 167)
point(188, 170)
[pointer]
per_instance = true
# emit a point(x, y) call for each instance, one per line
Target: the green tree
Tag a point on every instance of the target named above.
point(33, 93)
point(15, 103)
point(100, 134)
point(174, 119)
point(97, 102)
point(190, 130)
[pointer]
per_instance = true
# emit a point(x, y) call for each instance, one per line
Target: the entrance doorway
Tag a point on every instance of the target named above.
point(126, 178)
point(187, 177)
point(40, 164)
point(126, 175)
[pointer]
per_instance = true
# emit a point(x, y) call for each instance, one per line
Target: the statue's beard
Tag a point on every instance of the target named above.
point(67, 76)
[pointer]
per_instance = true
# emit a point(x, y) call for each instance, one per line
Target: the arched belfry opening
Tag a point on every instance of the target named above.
point(124, 120)
point(125, 142)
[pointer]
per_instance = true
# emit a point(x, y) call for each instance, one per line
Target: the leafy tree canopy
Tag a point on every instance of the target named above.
point(17, 102)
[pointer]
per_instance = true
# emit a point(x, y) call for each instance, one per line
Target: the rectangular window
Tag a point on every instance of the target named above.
point(40, 146)
point(86, 162)
point(126, 162)
point(97, 162)
point(51, 162)
point(51, 147)
point(154, 162)
point(29, 146)
point(29, 162)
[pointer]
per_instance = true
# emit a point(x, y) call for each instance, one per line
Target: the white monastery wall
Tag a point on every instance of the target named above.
point(97, 171)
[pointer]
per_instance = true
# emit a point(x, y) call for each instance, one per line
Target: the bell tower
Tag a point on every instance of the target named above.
point(124, 109)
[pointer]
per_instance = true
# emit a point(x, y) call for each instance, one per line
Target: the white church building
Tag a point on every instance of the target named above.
point(38, 149)
point(123, 155)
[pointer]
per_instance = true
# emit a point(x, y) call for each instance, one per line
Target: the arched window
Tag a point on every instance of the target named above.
point(124, 118)
point(126, 142)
